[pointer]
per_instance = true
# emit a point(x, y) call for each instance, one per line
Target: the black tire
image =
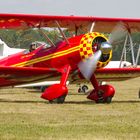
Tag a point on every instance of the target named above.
point(59, 100)
point(100, 97)
point(84, 88)
point(79, 90)
point(42, 88)
point(100, 101)
point(108, 100)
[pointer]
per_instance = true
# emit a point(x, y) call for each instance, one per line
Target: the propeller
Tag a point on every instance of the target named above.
point(88, 66)
point(118, 33)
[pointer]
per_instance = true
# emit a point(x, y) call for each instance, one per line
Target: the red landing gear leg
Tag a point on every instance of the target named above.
point(101, 93)
point(57, 92)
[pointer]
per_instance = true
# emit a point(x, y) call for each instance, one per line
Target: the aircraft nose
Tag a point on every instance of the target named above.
point(105, 47)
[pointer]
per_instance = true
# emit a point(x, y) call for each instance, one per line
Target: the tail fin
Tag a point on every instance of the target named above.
point(4, 49)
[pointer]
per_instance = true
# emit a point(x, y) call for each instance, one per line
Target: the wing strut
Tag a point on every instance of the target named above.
point(47, 38)
point(92, 27)
point(138, 55)
point(132, 51)
point(62, 33)
point(128, 39)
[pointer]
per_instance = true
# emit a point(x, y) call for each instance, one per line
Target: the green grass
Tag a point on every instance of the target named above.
point(23, 115)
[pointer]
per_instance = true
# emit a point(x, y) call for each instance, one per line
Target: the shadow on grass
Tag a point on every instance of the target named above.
point(46, 102)
point(80, 102)
point(77, 94)
point(129, 101)
point(92, 102)
point(20, 101)
point(88, 102)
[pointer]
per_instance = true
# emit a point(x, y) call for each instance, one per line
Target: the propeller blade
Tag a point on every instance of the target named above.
point(88, 66)
point(118, 33)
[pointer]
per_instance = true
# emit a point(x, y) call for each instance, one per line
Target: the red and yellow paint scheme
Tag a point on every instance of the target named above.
point(61, 61)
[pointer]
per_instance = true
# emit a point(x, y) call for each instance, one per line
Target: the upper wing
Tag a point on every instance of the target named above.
point(117, 74)
point(71, 22)
point(18, 75)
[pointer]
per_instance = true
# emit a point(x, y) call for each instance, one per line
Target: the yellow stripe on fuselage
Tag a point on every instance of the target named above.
point(44, 58)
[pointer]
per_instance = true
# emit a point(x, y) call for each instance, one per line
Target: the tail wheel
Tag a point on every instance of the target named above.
point(84, 88)
point(59, 100)
point(79, 90)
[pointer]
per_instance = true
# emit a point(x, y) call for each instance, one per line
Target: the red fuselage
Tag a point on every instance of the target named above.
point(78, 49)
point(52, 57)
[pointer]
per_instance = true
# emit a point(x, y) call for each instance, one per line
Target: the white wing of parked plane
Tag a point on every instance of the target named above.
point(5, 50)
point(118, 64)
point(46, 83)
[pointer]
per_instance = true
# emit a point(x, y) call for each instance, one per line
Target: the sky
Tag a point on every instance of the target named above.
point(101, 8)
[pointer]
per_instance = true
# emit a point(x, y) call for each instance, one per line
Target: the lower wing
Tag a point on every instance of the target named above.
point(10, 76)
point(117, 74)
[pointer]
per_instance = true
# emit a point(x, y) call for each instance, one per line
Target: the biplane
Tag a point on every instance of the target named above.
point(76, 59)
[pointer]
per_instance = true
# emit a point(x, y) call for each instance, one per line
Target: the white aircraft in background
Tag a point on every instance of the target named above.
point(118, 64)
point(41, 85)
point(6, 51)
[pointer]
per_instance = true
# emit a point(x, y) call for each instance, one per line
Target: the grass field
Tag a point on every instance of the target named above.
point(24, 116)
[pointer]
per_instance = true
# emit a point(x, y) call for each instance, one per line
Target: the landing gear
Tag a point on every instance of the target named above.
point(101, 93)
point(83, 89)
point(104, 100)
point(59, 100)
point(57, 92)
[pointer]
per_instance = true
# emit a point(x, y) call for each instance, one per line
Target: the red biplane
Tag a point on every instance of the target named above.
point(81, 57)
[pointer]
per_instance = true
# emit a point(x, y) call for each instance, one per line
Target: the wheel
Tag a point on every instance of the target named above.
point(59, 100)
point(100, 100)
point(42, 88)
point(79, 90)
point(84, 88)
point(100, 93)
point(108, 100)
point(100, 97)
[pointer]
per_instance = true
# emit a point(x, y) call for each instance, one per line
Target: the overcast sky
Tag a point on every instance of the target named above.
point(102, 8)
